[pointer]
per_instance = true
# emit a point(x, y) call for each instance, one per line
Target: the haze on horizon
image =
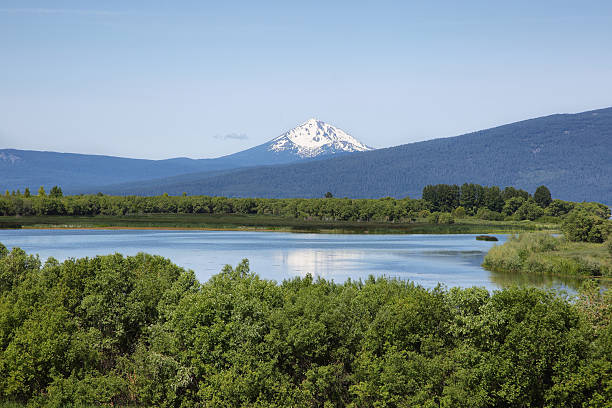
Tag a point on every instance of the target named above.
point(160, 80)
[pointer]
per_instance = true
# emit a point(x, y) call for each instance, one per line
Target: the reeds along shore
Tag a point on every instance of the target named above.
point(542, 253)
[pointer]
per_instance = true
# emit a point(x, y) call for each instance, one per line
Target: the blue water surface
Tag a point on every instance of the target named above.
point(448, 259)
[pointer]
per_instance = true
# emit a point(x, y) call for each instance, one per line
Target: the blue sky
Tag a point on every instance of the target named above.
point(158, 79)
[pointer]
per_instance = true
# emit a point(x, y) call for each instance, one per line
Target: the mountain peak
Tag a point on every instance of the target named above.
point(314, 138)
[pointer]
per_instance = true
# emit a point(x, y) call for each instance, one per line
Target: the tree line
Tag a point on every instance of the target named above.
point(441, 203)
point(493, 203)
point(140, 331)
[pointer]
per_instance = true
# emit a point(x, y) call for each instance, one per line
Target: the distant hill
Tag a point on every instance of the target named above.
point(569, 153)
point(77, 172)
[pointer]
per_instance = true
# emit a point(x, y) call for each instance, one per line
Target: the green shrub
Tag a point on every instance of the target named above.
point(433, 218)
point(512, 205)
point(459, 212)
point(559, 208)
point(424, 214)
point(580, 226)
point(446, 218)
point(139, 331)
point(486, 214)
point(529, 210)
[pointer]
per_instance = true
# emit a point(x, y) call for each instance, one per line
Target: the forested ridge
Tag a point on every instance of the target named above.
point(140, 331)
point(569, 153)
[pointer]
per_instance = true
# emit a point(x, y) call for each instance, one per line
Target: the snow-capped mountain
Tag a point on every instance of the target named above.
point(314, 138)
point(311, 140)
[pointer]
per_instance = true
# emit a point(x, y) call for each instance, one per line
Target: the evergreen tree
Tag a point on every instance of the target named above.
point(56, 192)
point(542, 196)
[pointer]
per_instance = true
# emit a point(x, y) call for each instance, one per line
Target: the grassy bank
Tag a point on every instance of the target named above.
point(270, 222)
point(542, 253)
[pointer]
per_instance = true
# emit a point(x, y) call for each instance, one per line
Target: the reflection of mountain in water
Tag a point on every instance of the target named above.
point(325, 264)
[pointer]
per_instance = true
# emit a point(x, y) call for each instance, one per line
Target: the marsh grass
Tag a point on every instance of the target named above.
point(271, 222)
point(542, 253)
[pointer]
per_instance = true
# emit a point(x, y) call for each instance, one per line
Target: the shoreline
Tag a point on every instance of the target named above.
point(297, 230)
point(180, 222)
point(54, 227)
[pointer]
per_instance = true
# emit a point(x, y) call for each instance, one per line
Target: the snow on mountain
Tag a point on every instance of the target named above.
point(313, 138)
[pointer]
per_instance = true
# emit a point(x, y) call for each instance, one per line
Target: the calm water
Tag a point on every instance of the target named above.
point(453, 260)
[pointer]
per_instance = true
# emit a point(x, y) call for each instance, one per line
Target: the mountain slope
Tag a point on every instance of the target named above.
point(78, 172)
point(27, 168)
point(570, 153)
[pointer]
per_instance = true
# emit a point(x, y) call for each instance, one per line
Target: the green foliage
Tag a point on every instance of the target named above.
point(541, 253)
point(511, 192)
point(512, 205)
point(443, 197)
point(471, 197)
point(596, 209)
point(559, 208)
point(140, 331)
point(529, 210)
point(340, 209)
point(440, 218)
point(486, 214)
point(542, 196)
point(459, 212)
point(446, 219)
point(580, 226)
point(66, 329)
point(56, 192)
point(41, 191)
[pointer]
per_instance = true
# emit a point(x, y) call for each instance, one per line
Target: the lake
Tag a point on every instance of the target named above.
point(450, 259)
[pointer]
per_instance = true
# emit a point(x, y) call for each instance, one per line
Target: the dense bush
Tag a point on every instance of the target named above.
point(580, 226)
point(529, 210)
point(384, 209)
point(446, 218)
point(114, 330)
point(459, 212)
point(486, 214)
point(443, 218)
point(559, 208)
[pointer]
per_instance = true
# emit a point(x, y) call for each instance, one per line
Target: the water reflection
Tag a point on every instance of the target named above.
point(542, 281)
point(317, 262)
point(452, 260)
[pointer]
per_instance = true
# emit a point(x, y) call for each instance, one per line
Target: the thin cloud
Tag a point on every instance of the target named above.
point(232, 136)
point(41, 11)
